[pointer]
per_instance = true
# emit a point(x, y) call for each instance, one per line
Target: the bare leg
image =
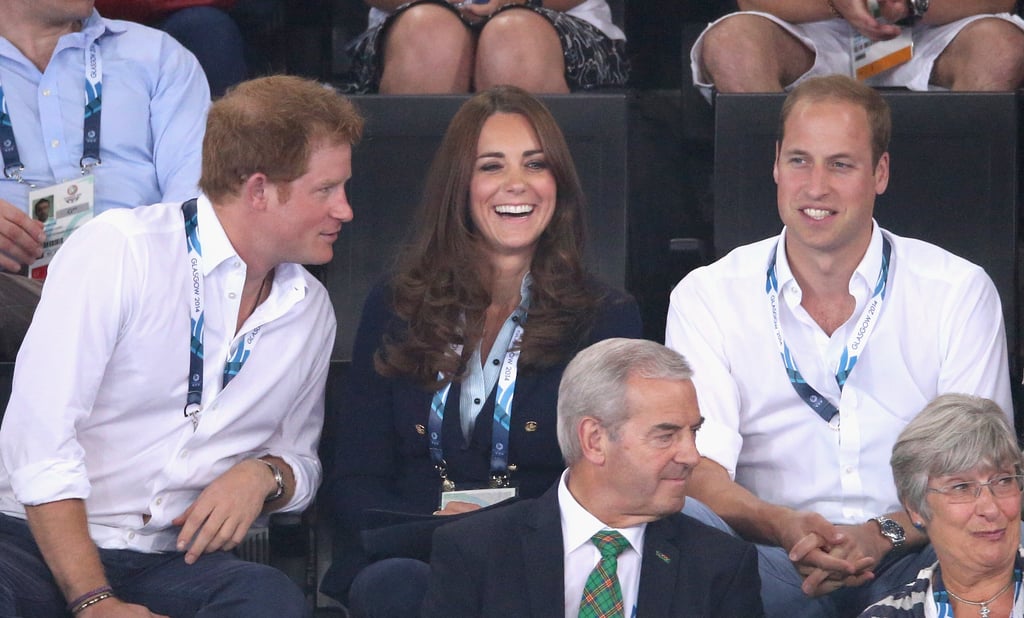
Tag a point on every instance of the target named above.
point(987, 55)
point(428, 51)
point(521, 48)
point(748, 53)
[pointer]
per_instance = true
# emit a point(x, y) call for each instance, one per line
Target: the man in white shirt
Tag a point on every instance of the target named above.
point(815, 349)
point(627, 417)
point(170, 388)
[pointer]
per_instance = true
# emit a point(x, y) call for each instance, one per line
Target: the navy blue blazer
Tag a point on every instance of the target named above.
point(381, 451)
point(508, 562)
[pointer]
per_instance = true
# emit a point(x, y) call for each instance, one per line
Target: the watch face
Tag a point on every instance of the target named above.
point(892, 530)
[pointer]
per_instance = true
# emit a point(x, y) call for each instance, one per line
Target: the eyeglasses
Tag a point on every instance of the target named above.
point(968, 491)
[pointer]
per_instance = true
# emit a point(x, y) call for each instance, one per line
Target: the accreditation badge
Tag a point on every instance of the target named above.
point(62, 208)
point(869, 58)
point(484, 496)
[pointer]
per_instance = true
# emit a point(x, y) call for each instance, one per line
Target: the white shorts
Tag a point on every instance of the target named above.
point(830, 42)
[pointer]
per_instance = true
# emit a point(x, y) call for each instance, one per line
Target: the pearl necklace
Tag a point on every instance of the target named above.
point(984, 612)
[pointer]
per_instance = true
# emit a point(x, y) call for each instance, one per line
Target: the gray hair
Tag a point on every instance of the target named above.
point(594, 385)
point(953, 434)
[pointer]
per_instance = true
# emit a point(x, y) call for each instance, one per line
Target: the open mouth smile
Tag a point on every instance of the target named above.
point(514, 210)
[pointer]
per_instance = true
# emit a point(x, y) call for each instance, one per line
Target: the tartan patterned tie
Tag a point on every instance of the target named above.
point(602, 596)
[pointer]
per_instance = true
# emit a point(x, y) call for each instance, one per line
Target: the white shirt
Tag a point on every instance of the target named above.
point(101, 379)
point(940, 330)
point(581, 555)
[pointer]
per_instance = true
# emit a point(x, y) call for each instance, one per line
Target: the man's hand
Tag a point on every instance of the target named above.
point(222, 514)
point(894, 10)
point(821, 550)
point(857, 14)
point(21, 238)
point(116, 608)
point(863, 546)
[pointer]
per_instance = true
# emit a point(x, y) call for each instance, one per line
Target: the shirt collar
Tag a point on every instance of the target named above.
point(578, 524)
point(95, 27)
point(866, 272)
point(217, 248)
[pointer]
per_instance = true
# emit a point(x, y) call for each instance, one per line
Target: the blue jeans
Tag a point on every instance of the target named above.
point(213, 37)
point(780, 581)
point(218, 585)
point(389, 588)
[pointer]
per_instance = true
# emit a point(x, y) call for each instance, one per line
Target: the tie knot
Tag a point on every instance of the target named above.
point(610, 543)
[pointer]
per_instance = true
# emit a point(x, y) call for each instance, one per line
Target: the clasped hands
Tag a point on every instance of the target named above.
point(476, 10)
point(829, 556)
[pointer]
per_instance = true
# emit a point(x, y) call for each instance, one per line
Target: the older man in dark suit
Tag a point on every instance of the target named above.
point(608, 540)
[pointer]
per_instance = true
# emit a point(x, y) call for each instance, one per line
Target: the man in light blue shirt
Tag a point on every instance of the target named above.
point(154, 99)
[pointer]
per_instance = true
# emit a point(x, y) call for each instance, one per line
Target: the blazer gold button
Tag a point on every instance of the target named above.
point(420, 429)
point(531, 426)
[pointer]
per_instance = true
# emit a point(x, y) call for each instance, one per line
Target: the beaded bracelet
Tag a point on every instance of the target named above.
point(90, 598)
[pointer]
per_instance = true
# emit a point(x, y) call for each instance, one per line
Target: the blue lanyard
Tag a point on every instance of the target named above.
point(13, 167)
point(854, 346)
point(505, 391)
point(197, 318)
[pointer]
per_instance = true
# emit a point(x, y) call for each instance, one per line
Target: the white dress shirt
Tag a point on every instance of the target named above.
point(581, 555)
point(101, 380)
point(940, 330)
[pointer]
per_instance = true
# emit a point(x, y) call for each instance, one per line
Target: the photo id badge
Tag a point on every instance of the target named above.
point(62, 209)
point(485, 496)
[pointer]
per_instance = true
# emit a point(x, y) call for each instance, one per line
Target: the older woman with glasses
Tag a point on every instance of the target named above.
point(958, 469)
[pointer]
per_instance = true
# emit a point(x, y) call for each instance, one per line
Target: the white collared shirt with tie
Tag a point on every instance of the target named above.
point(580, 555)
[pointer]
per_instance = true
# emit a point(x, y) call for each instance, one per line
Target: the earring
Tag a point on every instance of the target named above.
point(919, 525)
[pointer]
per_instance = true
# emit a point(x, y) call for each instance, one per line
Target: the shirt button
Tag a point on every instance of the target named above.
point(131, 536)
point(183, 455)
point(848, 470)
point(515, 319)
point(55, 143)
point(232, 295)
point(46, 92)
point(159, 501)
point(496, 362)
point(477, 401)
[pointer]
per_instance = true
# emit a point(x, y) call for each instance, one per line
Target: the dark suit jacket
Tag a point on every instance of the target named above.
point(381, 456)
point(508, 562)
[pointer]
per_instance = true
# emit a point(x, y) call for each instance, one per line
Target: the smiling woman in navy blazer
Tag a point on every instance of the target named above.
point(489, 302)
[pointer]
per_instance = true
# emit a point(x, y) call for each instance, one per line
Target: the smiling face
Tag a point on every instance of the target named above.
point(649, 460)
point(826, 179)
point(512, 192)
point(310, 210)
point(977, 538)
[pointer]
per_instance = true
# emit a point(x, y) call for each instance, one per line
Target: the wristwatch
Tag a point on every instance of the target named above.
point(279, 479)
point(915, 11)
point(891, 530)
